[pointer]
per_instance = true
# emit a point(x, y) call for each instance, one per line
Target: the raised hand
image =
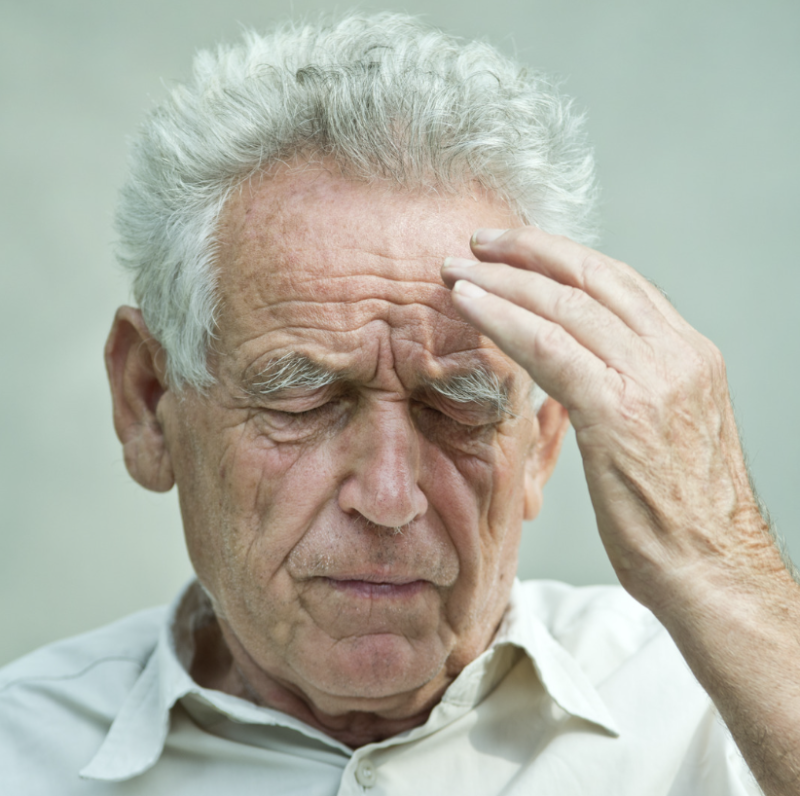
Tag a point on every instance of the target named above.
point(648, 398)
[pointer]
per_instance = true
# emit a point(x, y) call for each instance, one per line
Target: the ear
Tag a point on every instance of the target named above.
point(553, 424)
point(135, 365)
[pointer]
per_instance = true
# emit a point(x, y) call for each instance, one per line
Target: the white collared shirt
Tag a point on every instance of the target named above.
point(581, 692)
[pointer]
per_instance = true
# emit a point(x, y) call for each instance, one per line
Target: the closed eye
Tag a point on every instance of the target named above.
point(288, 424)
point(310, 413)
point(465, 432)
point(472, 414)
point(302, 412)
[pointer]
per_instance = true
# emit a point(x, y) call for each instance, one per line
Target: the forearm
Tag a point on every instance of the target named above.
point(741, 637)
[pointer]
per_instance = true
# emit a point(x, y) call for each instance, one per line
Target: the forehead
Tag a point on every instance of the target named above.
point(347, 274)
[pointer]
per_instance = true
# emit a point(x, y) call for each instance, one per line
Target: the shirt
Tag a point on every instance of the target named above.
point(581, 692)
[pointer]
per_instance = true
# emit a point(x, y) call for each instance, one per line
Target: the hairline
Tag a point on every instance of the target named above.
point(525, 142)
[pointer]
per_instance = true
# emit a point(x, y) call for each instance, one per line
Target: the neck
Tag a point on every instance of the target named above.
point(221, 663)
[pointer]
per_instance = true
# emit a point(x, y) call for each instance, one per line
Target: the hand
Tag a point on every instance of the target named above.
point(648, 398)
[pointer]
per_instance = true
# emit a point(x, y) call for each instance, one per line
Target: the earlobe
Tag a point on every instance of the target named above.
point(134, 362)
point(553, 421)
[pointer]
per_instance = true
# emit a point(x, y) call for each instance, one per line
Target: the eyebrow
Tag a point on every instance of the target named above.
point(479, 386)
point(294, 371)
point(290, 372)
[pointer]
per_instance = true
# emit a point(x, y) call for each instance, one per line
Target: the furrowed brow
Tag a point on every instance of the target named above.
point(289, 372)
point(480, 387)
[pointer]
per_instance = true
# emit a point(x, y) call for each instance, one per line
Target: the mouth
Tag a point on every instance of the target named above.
point(377, 589)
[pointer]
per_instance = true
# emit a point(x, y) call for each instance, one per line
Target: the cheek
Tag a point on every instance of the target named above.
point(508, 487)
point(246, 503)
point(459, 489)
point(484, 491)
point(481, 501)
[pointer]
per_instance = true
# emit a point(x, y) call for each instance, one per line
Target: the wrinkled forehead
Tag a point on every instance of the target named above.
point(312, 263)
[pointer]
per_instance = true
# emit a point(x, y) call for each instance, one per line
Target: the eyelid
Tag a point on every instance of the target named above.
point(286, 400)
point(298, 412)
point(466, 413)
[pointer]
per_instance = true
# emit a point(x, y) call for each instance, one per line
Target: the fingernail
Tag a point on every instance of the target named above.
point(468, 289)
point(458, 262)
point(484, 236)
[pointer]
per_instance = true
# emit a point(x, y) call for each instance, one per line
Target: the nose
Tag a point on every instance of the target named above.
point(383, 481)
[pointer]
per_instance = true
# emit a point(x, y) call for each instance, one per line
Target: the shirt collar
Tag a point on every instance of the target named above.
point(561, 675)
point(137, 735)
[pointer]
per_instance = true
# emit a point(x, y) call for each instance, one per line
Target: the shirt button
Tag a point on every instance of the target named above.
point(366, 775)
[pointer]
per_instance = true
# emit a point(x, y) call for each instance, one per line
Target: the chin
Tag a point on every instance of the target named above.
point(377, 666)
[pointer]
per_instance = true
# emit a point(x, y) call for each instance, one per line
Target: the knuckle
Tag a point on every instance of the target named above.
point(694, 365)
point(549, 338)
point(634, 405)
point(593, 269)
point(683, 380)
point(690, 378)
point(703, 363)
point(716, 360)
point(527, 237)
point(569, 301)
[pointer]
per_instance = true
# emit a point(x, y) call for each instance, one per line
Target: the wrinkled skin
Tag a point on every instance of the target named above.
point(648, 397)
point(326, 610)
point(359, 541)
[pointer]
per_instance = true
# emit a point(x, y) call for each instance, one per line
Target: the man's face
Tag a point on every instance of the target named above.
point(359, 538)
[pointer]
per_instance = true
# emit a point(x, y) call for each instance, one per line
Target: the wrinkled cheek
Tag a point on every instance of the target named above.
point(271, 498)
point(476, 479)
point(487, 540)
point(202, 507)
point(503, 526)
point(224, 511)
point(266, 613)
point(463, 498)
point(505, 506)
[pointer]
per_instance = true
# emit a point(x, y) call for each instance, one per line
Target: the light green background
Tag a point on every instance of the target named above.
point(693, 107)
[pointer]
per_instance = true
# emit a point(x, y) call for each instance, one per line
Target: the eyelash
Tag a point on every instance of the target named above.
point(307, 413)
point(302, 412)
point(480, 417)
point(448, 433)
point(420, 407)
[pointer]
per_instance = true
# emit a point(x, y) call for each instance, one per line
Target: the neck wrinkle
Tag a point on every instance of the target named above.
point(216, 666)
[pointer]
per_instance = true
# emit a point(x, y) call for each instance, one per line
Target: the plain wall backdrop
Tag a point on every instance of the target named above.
point(693, 109)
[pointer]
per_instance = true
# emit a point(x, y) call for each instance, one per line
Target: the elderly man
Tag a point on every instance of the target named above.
point(349, 385)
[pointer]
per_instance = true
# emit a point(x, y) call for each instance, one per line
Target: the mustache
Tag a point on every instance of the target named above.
point(367, 551)
point(386, 530)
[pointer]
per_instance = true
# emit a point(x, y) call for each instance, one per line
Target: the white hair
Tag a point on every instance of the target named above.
point(386, 97)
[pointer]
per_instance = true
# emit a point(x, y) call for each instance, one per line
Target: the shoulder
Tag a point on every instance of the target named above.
point(126, 641)
point(58, 702)
point(600, 626)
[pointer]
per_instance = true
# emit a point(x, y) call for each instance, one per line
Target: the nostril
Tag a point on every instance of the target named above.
point(384, 530)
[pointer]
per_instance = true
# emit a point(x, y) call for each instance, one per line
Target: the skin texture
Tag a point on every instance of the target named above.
point(359, 541)
point(329, 612)
point(648, 398)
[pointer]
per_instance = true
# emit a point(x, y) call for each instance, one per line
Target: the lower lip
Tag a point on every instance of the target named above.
point(370, 590)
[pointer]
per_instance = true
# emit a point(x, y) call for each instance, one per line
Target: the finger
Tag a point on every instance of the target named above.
point(613, 283)
point(562, 367)
point(591, 324)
